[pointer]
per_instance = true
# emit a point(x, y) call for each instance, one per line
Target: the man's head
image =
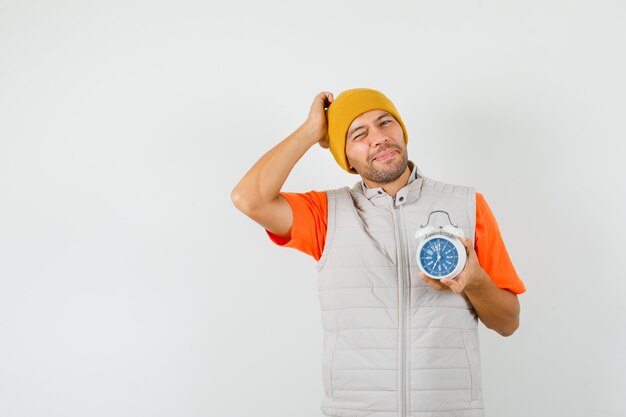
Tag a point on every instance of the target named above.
point(367, 136)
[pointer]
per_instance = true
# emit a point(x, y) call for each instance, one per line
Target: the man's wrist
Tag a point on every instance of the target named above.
point(479, 283)
point(310, 132)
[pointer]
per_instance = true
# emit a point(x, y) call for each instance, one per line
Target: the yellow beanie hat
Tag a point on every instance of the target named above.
point(349, 105)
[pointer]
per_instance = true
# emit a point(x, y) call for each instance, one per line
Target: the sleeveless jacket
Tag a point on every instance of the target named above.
point(394, 347)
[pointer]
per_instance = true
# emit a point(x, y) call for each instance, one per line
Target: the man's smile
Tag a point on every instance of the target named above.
point(384, 155)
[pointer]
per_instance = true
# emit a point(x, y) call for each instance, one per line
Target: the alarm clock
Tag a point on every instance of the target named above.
point(440, 253)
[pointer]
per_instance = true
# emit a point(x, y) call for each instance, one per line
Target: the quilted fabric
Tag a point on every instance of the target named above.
point(394, 347)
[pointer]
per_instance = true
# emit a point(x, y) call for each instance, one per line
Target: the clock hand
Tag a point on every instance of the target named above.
point(438, 259)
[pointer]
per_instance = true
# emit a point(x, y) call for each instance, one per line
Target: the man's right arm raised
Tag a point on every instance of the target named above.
point(257, 195)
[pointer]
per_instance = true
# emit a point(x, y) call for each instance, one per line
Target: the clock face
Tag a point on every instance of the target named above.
point(439, 257)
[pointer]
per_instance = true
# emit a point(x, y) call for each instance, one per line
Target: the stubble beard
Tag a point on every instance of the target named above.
point(387, 174)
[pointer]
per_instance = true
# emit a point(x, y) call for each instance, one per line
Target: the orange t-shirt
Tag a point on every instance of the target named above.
point(308, 234)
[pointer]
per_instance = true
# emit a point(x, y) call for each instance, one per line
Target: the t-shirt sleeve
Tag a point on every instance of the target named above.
point(308, 232)
point(492, 254)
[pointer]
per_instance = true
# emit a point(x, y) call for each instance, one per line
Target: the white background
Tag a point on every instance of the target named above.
point(130, 285)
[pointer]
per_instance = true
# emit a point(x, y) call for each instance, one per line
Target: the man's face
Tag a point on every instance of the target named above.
point(375, 147)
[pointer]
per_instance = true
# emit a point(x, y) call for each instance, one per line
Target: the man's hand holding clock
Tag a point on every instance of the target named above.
point(471, 278)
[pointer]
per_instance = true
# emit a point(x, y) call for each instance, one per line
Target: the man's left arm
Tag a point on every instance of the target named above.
point(497, 308)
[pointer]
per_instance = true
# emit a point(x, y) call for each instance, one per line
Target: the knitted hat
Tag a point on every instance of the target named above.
point(349, 105)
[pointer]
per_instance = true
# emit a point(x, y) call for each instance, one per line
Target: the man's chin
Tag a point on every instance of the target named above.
point(383, 172)
point(385, 176)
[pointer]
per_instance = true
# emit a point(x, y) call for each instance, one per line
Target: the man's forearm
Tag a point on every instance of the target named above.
point(263, 182)
point(498, 309)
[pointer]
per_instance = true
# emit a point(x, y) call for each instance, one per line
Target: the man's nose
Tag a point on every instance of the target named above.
point(378, 137)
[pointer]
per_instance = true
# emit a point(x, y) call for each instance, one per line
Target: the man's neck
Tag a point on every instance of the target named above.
point(392, 187)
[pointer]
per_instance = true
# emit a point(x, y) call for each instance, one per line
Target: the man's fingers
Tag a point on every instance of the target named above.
point(466, 242)
point(326, 97)
point(469, 248)
point(453, 284)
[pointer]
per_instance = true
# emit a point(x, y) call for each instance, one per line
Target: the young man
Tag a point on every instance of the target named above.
point(396, 342)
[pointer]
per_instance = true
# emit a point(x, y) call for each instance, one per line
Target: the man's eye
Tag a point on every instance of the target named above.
point(384, 122)
point(357, 137)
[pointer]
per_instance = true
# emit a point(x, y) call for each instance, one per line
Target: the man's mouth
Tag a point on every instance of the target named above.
point(384, 155)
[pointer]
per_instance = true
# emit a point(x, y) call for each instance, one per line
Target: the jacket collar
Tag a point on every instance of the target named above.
point(409, 193)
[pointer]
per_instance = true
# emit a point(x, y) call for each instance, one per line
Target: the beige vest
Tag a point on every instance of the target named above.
point(394, 347)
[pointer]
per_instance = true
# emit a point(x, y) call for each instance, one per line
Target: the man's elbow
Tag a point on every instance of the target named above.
point(242, 201)
point(507, 332)
point(237, 197)
point(509, 322)
point(508, 329)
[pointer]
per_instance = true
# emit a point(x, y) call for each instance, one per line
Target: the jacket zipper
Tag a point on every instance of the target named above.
point(403, 316)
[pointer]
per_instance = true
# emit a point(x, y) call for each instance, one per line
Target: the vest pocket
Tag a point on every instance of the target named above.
point(329, 356)
point(470, 343)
